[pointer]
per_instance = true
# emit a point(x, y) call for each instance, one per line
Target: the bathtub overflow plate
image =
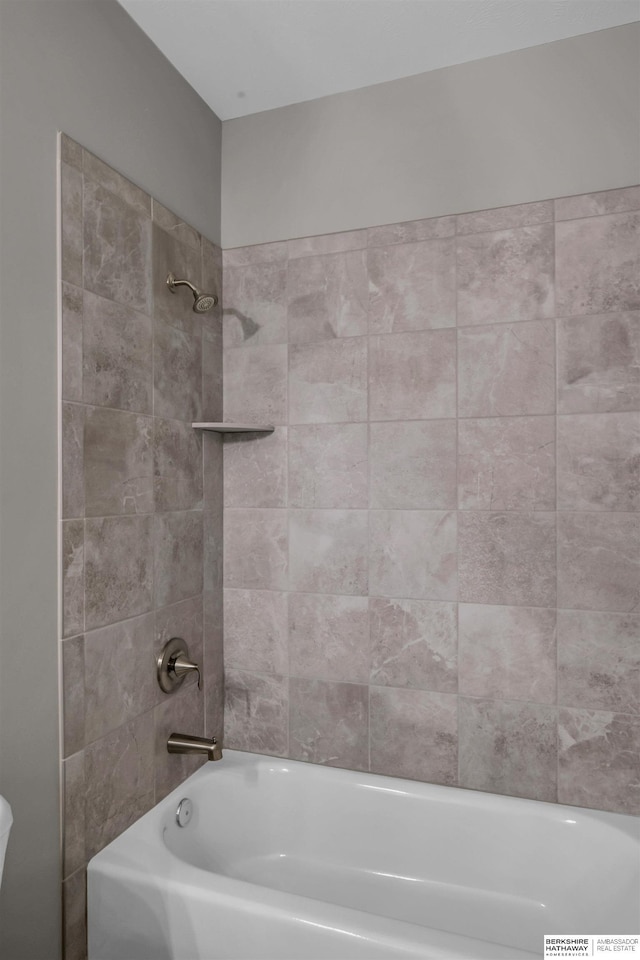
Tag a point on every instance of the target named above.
point(184, 812)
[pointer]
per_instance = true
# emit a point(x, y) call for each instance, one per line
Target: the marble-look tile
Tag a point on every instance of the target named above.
point(177, 465)
point(118, 569)
point(72, 310)
point(329, 723)
point(413, 465)
point(212, 456)
point(73, 815)
point(71, 153)
point(119, 781)
point(507, 463)
point(255, 549)
point(505, 276)
point(599, 363)
point(182, 712)
point(412, 286)
point(212, 283)
point(72, 460)
point(255, 304)
point(101, 173)
point(328, 551)
point(326, 243)
point(327, 297)
point(71, 210)
point(212, 389)
point(117, 249)
point(117, 356)
point(506, 370)
point(507, 652)
point(119, 677)
point(598, 264)
point(73, 698)
point(212, 523)
point(255, 469)
point(175, 226)
point(184, 261)
point(118, 463)
point(412, 376)
point(597, 204)
point(72, 577)
point(599, 760)
point(411, 231)
point(255, 384)
point(214, 680)
point(256, 714)
point(177, 373)
point(412, 553)
point(507, 558)
point(74, 916)
point(328, 381)
point(329, 637)
point(256, 253)
point(505, 218)
point(599, 561)
point(178, 552)
point(414, 734)
point(508, 748)
point(255, 631)
point(413, 644)
point(599, 462)
point(599, 660)
point(328, 465)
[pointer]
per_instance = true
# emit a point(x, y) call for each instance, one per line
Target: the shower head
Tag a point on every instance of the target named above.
point(202, 302)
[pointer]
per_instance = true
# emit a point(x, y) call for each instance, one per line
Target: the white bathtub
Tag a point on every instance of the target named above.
point(293, 861)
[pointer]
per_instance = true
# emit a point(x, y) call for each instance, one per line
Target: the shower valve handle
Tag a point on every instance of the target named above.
point(181, 666)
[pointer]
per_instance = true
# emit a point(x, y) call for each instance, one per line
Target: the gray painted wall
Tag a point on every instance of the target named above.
point(553, 120)
point(84, 68)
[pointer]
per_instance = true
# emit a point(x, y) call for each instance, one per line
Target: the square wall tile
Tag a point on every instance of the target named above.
point(71, 210)
point(507, 463)
point(256, 713)
point(329, 637)
point(326, 243)
point(255, 380)
point(414, 643)
point(72, 460)
point(74, 857)
point(118, 569)
point(508, 748)
point(412, 376)
point(255, 549)
point(599, 660)
point(414, 734)
point(183, 260)
point(255, 304)
point(413, 553)
point(599, 363)
point(108, 178)
point(327, 297)
point(178, 556)
point(328, 465)
point(328, 551)
point(412, 286)
point(598, 762)
point(72, 314)
point(255, 469)
point(507, 558)
point(183, 710)
point(597, 204)
point(328, 381)
point(507, 653)
point(177, 466)
point(599, 462)
point(73, 698)
point(118, 463)
point(255, 631)
point(599, 561)
point(329, 723)
point(72, 577)
point(598, 264)
point(172, 224)
point(411, 231)
point(177, 373)
point(506, 276)
point(117, 362)
point(256, 253)
point(504, 218)
point(413, 464)
point(506, 370)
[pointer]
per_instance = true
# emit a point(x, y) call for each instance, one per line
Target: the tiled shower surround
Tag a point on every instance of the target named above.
point(142, 522)
point(432, 566)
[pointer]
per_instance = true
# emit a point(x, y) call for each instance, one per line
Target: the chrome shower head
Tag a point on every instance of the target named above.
point(202, 302)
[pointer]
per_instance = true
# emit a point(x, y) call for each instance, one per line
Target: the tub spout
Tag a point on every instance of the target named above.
point(183, 743)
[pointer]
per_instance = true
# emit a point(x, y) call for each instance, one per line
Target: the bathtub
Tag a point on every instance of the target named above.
point(292, 861)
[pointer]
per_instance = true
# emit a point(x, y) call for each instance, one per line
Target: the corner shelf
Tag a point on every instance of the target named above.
point(234, 427)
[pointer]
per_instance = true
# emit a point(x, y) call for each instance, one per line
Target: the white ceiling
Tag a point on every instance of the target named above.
point(245, 56)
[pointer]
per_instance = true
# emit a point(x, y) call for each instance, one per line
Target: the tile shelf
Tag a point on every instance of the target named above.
point(234, 427)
